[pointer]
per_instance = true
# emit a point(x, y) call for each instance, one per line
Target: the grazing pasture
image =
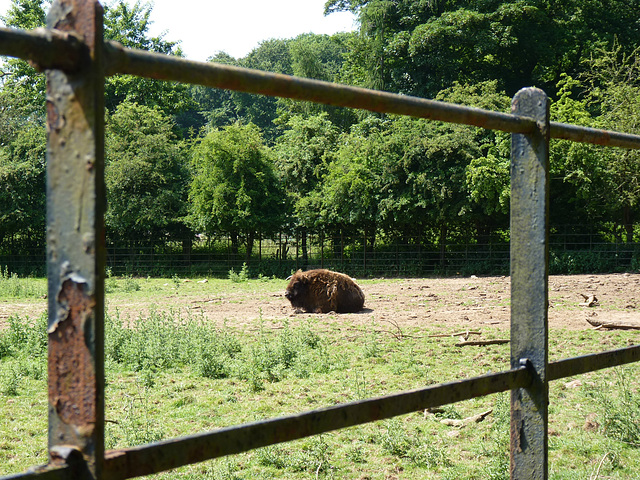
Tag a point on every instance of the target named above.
point(184, 356)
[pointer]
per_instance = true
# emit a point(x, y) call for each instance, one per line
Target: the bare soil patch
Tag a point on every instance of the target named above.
point(469, 303)
point(443, 303)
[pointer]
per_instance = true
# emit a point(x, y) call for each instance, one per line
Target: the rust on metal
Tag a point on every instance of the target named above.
point(75, 252)
point(71, 374)
point(563, 131)
point(79, 17)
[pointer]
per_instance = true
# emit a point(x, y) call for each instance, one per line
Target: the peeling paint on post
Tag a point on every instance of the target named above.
point(529, 286)
point(75, 245)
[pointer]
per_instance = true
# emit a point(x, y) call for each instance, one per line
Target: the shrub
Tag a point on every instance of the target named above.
point(243, 276)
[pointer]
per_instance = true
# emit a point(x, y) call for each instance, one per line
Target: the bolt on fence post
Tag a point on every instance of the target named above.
point(75, 245)
point(529, 286)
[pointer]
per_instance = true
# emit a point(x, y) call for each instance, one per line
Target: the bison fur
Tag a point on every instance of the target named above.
point(322, 291)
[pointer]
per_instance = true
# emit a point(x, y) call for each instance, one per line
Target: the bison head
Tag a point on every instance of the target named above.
point(296, 291)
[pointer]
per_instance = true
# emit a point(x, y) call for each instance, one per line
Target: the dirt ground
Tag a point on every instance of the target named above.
point(469, 303)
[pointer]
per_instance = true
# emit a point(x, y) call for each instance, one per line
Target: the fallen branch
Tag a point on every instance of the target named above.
point(614, 325)
point(589, 301)
point(465, 334)
point(466, 421)
point(398, 334)
point(482, 342)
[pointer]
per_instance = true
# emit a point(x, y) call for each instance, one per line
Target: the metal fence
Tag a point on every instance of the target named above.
point(569, 252)
point(76, 58)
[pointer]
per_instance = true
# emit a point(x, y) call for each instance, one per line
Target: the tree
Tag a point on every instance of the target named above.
point(615, 91)
point(578, 194)
point(319, 57)
point(146, 176)
point(129, 25)
point(348, 200)
point(427, 179)
point(212, 107)
point(419, 48)
point(261, 110)
point(22, 196)
point(26, 84)
point(302, 154)
point(22, 139)
point(235, 189)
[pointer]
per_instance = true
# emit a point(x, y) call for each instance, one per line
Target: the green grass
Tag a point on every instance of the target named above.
point(169, 374)
point(12, 286)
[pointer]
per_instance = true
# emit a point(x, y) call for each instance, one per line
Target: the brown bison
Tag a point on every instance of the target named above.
point(322, 291)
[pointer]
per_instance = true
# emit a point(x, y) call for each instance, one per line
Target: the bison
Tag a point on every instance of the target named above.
point(322, 291)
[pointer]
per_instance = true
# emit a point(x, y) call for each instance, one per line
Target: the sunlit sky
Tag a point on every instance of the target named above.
point(206, 27)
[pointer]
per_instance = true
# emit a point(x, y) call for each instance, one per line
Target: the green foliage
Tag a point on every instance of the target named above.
point(130, 284)
point(165, 340)
point(9, 380)
point(26, 14)
point(145, 174)
point(135, 427)
point(13, 286)
point(129, 25)
point(22, 176)
point(619, 412)
point(419, 48)
point(243, 276)
point(235, 188)
point(30, 335)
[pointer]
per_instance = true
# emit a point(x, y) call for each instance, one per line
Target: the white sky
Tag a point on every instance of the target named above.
point(207, 27)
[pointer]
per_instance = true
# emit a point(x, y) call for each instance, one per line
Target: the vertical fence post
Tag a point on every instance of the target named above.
point(529, 286)
point(75, 246)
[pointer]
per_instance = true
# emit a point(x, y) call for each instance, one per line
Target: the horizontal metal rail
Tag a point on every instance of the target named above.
point(52, 49)
point(45, 48)
point(569, 367)
point(165, 455)
point(168, 454)
point(46, 472)
point(164, 67)
point(563, 131)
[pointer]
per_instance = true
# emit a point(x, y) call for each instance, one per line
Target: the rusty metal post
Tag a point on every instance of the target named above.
point(75, 245)
point(529, 286)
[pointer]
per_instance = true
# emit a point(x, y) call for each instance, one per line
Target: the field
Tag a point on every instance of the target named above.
point(185, 357)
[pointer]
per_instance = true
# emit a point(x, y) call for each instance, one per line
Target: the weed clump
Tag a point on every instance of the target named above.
point(11, 286)
point(241, 277)
point(168, 340)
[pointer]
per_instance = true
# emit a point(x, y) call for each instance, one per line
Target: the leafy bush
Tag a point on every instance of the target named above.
point(243, 276)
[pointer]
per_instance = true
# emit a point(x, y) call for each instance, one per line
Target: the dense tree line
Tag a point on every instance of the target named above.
point(183, 160)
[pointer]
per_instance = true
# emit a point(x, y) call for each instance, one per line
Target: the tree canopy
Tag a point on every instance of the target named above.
point(183, 159)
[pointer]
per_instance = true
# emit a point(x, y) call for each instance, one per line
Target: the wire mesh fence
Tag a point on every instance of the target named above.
point(570, 253)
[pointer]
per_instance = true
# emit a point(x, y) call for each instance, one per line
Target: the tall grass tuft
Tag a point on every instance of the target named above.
point(620, 408)
point(169, 340)
point(11, 286)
